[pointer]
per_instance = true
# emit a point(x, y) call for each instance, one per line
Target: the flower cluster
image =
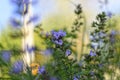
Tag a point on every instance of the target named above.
point(6, 55)
point(41, 70)
point(57, 36)
point(17, 67)
point(22, 9)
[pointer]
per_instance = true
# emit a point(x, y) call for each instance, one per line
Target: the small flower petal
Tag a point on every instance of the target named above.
point(92, 53)
point(68, 52)
point(41, 70)
point(17, 67)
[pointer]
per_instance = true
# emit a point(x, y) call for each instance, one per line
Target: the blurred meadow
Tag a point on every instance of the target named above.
point(58, 14)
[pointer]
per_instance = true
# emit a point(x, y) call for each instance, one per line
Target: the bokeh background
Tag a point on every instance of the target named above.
point(56, 14)
point(57, 11)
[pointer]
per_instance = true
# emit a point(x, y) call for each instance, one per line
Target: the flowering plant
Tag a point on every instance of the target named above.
point(63, 63)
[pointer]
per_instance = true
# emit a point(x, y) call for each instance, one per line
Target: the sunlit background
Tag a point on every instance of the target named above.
point(57, 11)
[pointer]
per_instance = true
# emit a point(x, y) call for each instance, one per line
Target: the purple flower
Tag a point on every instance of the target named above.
point(26, 1)
point(15, 23)
point(62, 33)
point(55, 34)
point(112, 40)
point(30, 49)
point(68, 52)
point(22, 6)
point(59, 42)
point(41, 70)
point(48, 51)
point(109, 14)
point(112, 36)
point(92, 38)
point(92, 53)
point(94, 45)
point(17, 67)
point(58, 34)
point(6, 55)
point(75, 78)
point(17, 2)
point(101, 34)
point(30, 1)
point(33, 19)
point(113, 32)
